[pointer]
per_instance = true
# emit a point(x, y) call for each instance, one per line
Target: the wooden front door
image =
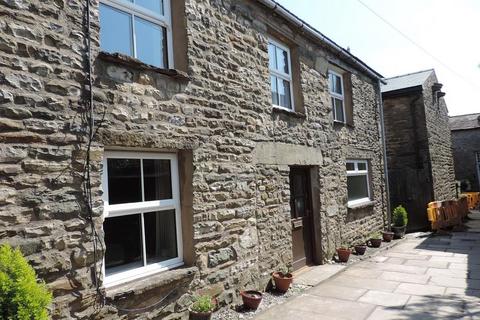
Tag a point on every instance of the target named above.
point(301, 217)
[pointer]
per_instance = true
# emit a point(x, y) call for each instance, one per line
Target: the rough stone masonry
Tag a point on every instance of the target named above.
point(235, 151)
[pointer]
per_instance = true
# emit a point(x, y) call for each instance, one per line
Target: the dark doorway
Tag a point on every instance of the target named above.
point(301, 216)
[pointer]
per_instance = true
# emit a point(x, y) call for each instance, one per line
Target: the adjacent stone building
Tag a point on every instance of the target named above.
point(419, 152)
point(220, 141)
point(465, 131)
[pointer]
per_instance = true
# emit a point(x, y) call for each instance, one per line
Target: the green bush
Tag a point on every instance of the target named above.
point(203, 304)
point(400, 216)
point(22, 297)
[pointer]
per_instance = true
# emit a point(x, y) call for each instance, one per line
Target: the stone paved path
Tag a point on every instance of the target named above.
point(423, 278)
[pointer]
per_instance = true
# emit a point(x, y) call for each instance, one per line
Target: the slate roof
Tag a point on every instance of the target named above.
point(464, 121)
point(406, 81)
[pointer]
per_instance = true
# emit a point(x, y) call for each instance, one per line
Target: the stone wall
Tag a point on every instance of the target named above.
point(440, 143)
point(408, 156)
point(214, 116)
point(465, 143)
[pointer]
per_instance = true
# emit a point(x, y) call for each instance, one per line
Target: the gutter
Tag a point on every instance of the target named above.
point(385, 164)
point(293, 19)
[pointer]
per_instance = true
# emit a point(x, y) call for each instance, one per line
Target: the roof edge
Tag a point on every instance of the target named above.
point(292, 18)
point(409, 74)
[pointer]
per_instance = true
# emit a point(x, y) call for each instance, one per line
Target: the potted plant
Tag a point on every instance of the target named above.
point(282, 281)
point(251, 299)
point(400, 220)
point(375, 239)
point(360, 249)
point(202, 308)
point(343, 253)
point(387, 236)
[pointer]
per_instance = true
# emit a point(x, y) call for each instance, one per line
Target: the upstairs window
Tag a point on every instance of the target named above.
point(280, 75)
point(358, 182)
point(138, 28)
point(337, 96)
point(142, 215)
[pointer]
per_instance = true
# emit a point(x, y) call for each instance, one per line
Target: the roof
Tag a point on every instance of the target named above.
point(344, 53)
point(406, 81)
point(464, 121)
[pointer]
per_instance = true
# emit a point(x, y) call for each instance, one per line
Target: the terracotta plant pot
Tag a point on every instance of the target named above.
point(343, 254)
point(387, 236)
point(399, 232)
point(375, 243)
point(251, 299)
point(360, 249)
point(200, 315)
point(282, 281)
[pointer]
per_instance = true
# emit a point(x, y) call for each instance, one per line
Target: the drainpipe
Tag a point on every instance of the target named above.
point(384, 145)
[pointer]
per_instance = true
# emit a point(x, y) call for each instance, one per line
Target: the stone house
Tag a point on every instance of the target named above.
point(465, 131)
point(419, 150)
point(150, 150)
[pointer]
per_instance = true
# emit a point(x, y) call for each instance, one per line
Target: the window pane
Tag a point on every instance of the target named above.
point(154, 5)
point(338, 85)
point(284, 93)
point(157, 182)
point(150, 41)
point(282, 61)
point(123, 242)
point(350, 166)
point(357, 187)
point(273, 83)
point(160, 236)
point(115, 30)
point(124, 181)
point(339, 110)
point(362, 166)
point(272, 60)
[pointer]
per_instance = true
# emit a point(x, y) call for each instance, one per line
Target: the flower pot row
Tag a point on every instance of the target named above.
point(204, 306)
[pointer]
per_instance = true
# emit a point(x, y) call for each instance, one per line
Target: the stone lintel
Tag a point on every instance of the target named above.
point(286, 154)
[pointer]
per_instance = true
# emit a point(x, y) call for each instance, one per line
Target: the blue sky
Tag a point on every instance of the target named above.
point(448, 29)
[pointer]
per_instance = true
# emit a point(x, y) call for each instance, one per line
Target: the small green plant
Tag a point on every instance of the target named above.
point(400, 216)
point(203, 304)
point(344, 245)
point(22, 297)
point(375, 235)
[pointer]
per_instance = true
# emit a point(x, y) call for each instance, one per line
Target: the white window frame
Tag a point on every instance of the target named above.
point(151, 16)
point(118, 210)
point(337, 96)
point(282, 75)
point(357, 172)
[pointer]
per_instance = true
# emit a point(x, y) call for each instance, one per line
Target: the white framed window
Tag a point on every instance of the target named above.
point(142, 223)
point(280, 75)
point(358, 182)
point(337, 95)
point(138, 28)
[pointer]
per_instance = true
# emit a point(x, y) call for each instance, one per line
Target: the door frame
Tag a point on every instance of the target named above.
point(313, 189)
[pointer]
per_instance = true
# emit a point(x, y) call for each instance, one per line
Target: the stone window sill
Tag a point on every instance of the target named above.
point(139, 286)
point(366, 204)
point(127, 61)
point(292, 113)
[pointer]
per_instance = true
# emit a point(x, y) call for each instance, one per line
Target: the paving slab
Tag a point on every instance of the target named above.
point(336, 291)
point(455, 282)
point(420, 289)
point(428, 263)
point(392, 267)
point(361, 283)
point(385, 299)
point(315, 275)
point(405, 277)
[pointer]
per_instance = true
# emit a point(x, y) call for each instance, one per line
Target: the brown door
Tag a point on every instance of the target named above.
point(301, 212)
